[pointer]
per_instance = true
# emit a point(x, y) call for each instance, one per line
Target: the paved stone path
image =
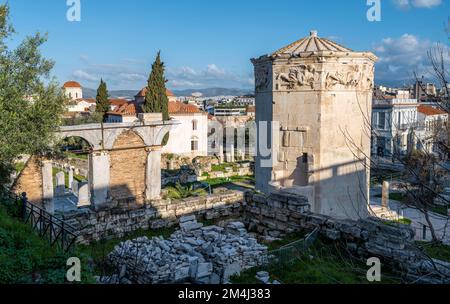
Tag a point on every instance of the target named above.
point(440, 223)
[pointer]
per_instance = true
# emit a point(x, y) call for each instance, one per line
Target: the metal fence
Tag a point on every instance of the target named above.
point(56, 231)
point(285, 256)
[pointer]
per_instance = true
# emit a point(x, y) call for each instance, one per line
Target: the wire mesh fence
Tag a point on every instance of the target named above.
point(283, 257)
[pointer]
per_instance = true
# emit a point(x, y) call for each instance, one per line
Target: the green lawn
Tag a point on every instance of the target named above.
point(223, 167)
point(322, 263)
point(77, 178)
point(83, 156)
point(217, 182)
point(436, 251)
point(26, 258)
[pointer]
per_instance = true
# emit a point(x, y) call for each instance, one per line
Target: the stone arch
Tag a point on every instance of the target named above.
point(128, 159)
point(90, 137)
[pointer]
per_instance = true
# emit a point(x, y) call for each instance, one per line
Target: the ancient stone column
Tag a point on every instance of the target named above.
point(385, 195)
point(153, 174)
point(47, 186)
point(99, 177)
point(83, 195)
point(70, 177)
point(320, 93)
point(60, 184)
point(75, 187)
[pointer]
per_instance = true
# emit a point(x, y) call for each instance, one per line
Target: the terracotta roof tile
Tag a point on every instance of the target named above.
point(143, 92)
point(182, 108)
point(430, 111)
point(128, 109)
point(72, 84)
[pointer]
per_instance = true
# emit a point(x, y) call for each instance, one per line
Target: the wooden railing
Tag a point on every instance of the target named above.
point(56, 231)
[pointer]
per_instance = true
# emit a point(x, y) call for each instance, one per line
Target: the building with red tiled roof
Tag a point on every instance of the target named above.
point(430, 111)
point(73, 90)
point(179, 108)
point(140, 96)
point(72, 84)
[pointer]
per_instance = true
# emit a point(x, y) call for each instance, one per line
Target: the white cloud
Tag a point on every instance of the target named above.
point(83, 75)
point(400, 57)
point(211, 76)
point(405, 4)
point(426, 3)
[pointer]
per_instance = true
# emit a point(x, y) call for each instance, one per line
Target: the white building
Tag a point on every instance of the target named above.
point(190, 137)
point(392, 119)
point(78, 104)
point(230, 111)
point(73, 90)
point(434, 122)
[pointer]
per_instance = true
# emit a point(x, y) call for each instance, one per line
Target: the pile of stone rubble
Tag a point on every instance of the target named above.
point(194, 254)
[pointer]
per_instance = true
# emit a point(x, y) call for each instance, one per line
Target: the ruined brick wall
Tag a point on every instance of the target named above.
point(30, 181)
point(128, 168)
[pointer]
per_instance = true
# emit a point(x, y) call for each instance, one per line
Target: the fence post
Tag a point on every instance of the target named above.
point(24, 202)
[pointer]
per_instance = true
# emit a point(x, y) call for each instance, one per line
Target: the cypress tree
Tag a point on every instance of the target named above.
point(156, 100)
point(102, 100)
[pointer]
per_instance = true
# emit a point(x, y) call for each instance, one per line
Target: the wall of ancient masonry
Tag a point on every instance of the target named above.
point(272, 216)
point(30, 181)
point(282, 212)
point(114, 223)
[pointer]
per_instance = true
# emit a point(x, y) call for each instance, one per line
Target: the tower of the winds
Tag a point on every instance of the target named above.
point(317, 95)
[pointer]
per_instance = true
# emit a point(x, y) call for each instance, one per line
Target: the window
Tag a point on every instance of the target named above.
point(194, 144)
point(381, 120)
point(194, 125)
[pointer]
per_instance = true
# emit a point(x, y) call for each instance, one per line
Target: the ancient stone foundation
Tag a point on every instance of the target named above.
point(282, 212)
point(271, 217)
point(113, 223)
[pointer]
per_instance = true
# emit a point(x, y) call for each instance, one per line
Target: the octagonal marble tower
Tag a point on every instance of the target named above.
point(320, 94)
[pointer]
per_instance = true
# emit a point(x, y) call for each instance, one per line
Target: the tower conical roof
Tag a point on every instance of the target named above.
point(309, 44)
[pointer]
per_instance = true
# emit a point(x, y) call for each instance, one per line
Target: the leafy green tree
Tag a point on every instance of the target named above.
point(102, 100)
point(156, 100)
point(29, 109)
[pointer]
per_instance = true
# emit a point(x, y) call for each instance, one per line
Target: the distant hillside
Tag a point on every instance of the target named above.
point(128, 94)
point(209, 92)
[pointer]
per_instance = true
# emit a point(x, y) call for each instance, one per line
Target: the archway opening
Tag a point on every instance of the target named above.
point(70, 172)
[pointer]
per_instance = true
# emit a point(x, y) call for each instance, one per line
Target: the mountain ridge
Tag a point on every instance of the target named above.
point(207, 92)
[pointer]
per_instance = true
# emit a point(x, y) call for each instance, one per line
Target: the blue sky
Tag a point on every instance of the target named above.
point(210, 43)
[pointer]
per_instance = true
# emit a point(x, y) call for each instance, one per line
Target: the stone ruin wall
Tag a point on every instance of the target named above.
point(118, 222)
point(272, 217)
point(30, 181)
point(128, 162)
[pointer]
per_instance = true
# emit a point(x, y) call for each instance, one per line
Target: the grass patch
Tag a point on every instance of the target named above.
point(436, 251)
point(217, 182)
point(223, 167)
point(19, 166)
point(26, 258)
point(322, 263)
point(443, 210)
point(82, 156)
point(78, 178)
